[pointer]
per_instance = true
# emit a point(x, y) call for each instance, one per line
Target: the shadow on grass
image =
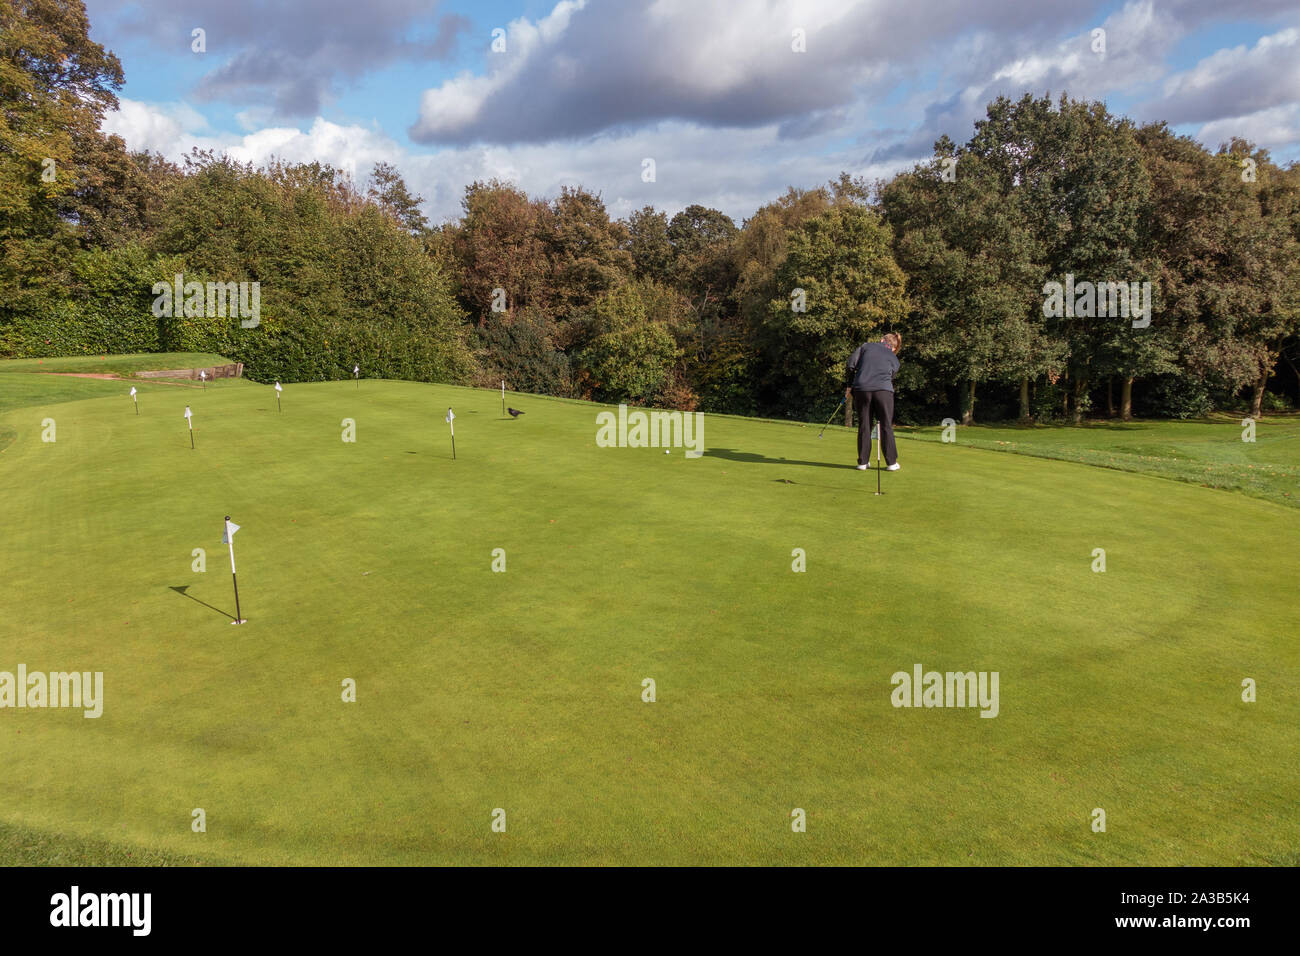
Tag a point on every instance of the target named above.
point(732, 454)
point(1091, 424)
point(181, 591)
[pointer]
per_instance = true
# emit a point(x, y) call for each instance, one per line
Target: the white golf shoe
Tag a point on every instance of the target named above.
point(861, 467)
point(894, 467)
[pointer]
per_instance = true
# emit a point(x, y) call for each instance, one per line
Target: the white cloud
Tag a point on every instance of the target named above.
point(735, 170)
point(459, 102)
point(172, 129)
point(702, 90)
point(1235, 81)
point(1277, 127)
point(588, 69)
point(1128, 53)
point(155, 127)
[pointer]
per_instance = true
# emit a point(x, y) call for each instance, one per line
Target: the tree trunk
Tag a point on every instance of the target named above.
point(1024, 399)
point(1110, 396)
point(1257, 399)
point(1126, 399)
point(1080, 393)
point(968, 412)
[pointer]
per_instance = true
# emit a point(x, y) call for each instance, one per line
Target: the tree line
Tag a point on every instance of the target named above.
point(690, 311)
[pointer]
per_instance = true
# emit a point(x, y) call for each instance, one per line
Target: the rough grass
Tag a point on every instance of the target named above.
point(116, 364)
point(1208, 452)
point(23, 386)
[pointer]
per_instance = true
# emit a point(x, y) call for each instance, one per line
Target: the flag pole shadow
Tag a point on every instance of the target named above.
point(181, 591)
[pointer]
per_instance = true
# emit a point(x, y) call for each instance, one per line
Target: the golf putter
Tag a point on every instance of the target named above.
point(832, 418)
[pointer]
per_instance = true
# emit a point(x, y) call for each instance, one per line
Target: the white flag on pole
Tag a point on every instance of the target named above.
point(356, 370)
point(451, 417)
point(133, 391)
point(278, 388)
point(189, 415)
point(203, 374)
point(228, 537)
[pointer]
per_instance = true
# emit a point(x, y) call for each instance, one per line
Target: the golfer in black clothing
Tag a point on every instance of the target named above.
point(870, 383)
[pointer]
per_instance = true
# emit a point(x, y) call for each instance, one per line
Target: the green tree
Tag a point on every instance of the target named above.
point(501, 243)
point(729, 357)
point(703, 268)
point(520, 349)
point(55, 86)
point(761, 245)
point(837, 287)
point(1265, 259)
point(586, 250)
point(1080, 175)
point(631, 353)
point(1187, 234)
point(970, 256)
point(648, 244)
point(388, 190)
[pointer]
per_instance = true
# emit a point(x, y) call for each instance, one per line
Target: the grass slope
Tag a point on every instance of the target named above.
point(522, 690)
point(27, 383)
point(1207, 452)
point(116, 364)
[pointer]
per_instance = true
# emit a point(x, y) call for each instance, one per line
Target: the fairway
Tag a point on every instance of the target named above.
point(522, 690)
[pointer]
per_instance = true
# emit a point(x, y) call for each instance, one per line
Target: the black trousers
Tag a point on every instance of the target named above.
point(873, 407)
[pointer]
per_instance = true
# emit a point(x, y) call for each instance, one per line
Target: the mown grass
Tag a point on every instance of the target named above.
point(23, 846)
point(522, 690)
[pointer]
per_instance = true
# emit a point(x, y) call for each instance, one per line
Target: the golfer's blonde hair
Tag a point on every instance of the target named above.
point(894, 340)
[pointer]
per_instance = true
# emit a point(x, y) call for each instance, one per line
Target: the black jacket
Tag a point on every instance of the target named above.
point(871, 368)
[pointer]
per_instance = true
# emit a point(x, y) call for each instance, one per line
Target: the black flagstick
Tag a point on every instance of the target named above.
point(503, 398)
point(878, 491)
point(277, 398)
point(230, 538)
point(190, 421)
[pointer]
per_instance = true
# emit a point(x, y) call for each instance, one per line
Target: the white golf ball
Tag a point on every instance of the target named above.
point(668, 451)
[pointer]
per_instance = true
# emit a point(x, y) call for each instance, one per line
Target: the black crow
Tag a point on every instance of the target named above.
point(514, 412)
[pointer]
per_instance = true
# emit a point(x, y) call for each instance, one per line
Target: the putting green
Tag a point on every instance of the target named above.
point(522, 690)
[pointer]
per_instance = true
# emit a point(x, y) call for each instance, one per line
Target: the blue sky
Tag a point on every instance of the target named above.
point(715, 93)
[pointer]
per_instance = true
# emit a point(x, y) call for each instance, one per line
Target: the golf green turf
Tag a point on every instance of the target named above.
point(523, 690)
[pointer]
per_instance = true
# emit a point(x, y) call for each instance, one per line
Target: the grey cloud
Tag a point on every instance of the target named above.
point(622, 65)
point(1233, 83)
point(294, 54)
